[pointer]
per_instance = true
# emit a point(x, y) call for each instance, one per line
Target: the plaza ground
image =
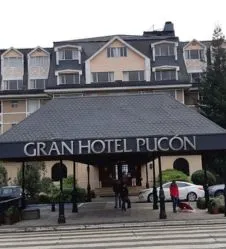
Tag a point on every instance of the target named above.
point(101, 212)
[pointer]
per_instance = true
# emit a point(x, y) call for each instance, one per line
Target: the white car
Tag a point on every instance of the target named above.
point(187, 191)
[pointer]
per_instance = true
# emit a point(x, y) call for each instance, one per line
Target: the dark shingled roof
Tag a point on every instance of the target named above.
point(110, 117)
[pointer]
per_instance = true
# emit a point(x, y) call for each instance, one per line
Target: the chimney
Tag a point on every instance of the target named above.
point(169, 29)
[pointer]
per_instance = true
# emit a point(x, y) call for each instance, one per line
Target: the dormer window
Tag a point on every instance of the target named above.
point(13, 61)
point(164, 50)
point(194, 54)
point(68, 54)
point(117, 52)
point(39, 61)
point(166, 73)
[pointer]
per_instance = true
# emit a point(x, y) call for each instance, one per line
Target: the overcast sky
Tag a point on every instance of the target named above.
point(29, 23)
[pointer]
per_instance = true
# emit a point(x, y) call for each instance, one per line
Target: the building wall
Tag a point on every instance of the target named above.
point(195, 163)
point(102, 63)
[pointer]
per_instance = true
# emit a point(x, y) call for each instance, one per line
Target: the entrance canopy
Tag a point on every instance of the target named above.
point(87, 127)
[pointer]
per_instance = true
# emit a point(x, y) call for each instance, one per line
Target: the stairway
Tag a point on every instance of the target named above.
point(107, 191)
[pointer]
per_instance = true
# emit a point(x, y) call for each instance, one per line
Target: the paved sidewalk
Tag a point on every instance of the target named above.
point(101, 213)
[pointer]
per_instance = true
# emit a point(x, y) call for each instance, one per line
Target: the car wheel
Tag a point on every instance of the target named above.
point(219, 193)
point(150, 198)
point(191, 196)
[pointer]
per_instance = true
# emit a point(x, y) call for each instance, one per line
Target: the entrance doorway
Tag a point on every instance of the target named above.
point(116, 171)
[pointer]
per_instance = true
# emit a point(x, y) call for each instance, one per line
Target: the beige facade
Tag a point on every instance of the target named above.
point(132, 62)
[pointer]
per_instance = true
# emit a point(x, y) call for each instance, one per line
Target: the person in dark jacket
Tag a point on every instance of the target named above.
point(174, 193)
point(124, 194)
point(117, 190)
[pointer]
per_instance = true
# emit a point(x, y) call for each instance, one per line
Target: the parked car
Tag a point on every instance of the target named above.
point(187, 191)
point(10, 192)
point(216, 190)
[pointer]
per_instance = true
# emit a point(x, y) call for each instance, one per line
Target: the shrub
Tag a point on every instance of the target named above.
point(216, 205)
point(201, 203)
point(172, 174)
point(198, 178)
point(43, 198)
point(46, 185)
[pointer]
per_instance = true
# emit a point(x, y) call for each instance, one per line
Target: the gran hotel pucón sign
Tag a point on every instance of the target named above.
point(119, 145)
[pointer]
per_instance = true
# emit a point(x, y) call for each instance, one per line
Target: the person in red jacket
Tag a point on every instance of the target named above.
point(174, 193)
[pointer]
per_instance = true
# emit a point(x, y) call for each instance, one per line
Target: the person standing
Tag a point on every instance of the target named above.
point(124, 194)
point(174, 193)
point(117, 190)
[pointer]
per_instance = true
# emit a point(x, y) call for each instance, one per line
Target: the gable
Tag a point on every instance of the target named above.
point(38, 52)
point(194, 45)
point(12, 53)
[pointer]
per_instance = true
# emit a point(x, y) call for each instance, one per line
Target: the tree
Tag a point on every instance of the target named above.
point(32, 177)
point(213, 95)
point(3, 175)
point(213, 85)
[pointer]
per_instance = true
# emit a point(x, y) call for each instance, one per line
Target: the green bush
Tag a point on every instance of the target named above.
point(43, 198)
point(68, 182)
point(216, 205)
point(201, 203)
point(46, 185)
point(198, 178)
point(172, 174)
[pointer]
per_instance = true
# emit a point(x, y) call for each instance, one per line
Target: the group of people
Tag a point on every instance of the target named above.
point(121, 195)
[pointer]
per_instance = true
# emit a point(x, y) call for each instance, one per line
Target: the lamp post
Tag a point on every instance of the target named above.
point(147, 184)
point(162, 214)
point(205, 187)
point(88, 184)
point(23, 201)
point(155, 196)
point(61, 218)
point(74, 192)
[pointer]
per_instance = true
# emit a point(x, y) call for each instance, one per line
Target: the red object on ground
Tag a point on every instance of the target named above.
point(184, 206)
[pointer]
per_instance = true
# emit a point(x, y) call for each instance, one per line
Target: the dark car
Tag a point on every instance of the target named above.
point(10, 192)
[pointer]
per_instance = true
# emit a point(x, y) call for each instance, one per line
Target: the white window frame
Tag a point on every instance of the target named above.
point(126, 75)
point(5, 84)
point(162, 42)
point(38, 61)
point(33, 82)
point(200, 57)
point(111, 77)
point(59, 73)
point(160, 50)
point(113, 52)
point(166, 68)
point(61, 48)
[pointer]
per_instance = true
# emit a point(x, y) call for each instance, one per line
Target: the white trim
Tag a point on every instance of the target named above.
point(87, 72)
point(2, 117)
point(161, 42)
point(68, 71)
point(19, 96)
point(65, 71)
point(101, 89)
point(176, 90)
point(147, 69)
point(111, 41)
point(56, 49)
point(11, 48)
point(38, 47)
point(165, 67)
point(164, 41)
point(67, 46)
point(194, 40)
point(13, 113)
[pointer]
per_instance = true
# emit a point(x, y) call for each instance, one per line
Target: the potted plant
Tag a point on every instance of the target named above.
point(11, 215)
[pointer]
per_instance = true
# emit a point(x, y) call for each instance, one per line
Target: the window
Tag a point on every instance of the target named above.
point(12, 84)
point(37, 84)
point(164, 50)
point(14, 123)
point(117, 52)
point(14, 103)
point(165, 75)
point(194, 54)
point(195, 77)
point(39, 60)
point(68, 54)
point(33, 105)
point(69, 78)
point(103, 77)
point(133, 75)
point(12, 61)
